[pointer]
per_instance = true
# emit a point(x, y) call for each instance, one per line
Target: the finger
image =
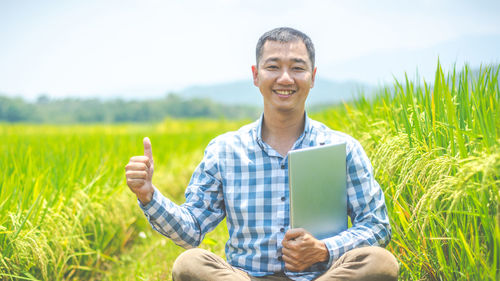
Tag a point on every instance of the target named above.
point(140, 159)
point(291, 264)
point(136, 166)
point(148, 151)
point(287, 243)
point(289, 253)
point(294, 233)
point(291, 244)
point(136, 175)
point(135, 183)
point(288, 259)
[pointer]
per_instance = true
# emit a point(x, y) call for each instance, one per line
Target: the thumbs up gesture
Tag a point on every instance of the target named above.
point(139, 174)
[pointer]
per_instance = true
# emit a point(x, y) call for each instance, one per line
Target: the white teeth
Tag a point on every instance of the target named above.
point(282, 92)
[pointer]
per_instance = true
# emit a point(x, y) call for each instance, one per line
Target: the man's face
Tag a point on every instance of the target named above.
point(284, 75)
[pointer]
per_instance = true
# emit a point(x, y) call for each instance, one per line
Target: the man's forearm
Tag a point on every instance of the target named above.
point(171, 220)
point(356, 237)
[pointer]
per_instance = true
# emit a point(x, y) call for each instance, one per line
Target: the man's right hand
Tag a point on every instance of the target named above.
point(139, 174)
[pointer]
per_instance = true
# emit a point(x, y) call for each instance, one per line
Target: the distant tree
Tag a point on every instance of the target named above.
point(43, 99)
point(71, 110)
point(15, 110)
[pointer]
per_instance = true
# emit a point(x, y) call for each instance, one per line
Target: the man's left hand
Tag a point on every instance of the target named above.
point(301, 250)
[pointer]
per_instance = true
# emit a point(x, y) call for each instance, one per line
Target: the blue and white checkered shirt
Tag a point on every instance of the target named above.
point(244, 179)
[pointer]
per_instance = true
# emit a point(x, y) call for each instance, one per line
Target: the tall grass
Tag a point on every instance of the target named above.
point(436, 152)
point(65, 212)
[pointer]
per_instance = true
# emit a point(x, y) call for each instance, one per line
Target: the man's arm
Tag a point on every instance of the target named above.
point(366, 208)
point(368, 212)
point(187, 224)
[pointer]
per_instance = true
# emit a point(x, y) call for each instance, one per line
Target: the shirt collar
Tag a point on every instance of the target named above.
point(307, 131)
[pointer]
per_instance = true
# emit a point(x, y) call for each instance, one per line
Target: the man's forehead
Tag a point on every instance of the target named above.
point(278, 59)
point(291, 45)
point(294, 50)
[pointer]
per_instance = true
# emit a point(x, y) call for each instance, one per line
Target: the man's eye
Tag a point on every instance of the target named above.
point(272, 67)
point(298, 68)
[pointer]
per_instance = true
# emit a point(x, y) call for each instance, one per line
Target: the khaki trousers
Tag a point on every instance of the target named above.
point(366, 263)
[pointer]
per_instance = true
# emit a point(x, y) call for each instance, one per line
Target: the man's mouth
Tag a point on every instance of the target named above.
point(284, 92)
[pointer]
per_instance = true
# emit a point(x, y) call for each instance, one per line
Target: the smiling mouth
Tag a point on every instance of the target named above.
point(284, 92)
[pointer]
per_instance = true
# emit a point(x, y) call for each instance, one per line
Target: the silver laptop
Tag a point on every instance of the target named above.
point(318, 197)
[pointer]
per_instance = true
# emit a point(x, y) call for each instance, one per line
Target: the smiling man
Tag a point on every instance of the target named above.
point(244, 177)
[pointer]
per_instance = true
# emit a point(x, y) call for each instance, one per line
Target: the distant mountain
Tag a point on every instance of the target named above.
point(244, 92)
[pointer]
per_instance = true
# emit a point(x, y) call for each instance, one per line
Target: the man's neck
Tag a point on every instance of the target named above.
point(281, 129)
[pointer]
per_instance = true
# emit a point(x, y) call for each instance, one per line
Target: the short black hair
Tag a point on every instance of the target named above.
point(285, 35)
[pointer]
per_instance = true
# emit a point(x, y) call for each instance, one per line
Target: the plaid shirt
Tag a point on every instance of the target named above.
point(244, 179)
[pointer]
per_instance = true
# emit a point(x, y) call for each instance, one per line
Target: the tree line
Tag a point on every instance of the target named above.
point(76, 110)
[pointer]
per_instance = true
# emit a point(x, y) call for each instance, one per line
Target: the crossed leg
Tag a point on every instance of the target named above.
point(366, 263)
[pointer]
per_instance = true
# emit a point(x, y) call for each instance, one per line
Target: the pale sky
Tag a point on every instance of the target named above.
point(102, 48)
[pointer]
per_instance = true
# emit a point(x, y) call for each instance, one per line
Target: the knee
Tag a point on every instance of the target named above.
point(185, 265)
point(384, 264)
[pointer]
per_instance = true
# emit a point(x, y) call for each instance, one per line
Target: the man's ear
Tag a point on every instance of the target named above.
point(313, 76)
point(255, 74)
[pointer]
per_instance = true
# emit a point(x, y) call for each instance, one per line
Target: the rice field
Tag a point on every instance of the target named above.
point(66, 213)
point(65, 210)
point(436, 154)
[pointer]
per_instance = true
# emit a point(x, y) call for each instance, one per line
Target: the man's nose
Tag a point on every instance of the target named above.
point(285, 78)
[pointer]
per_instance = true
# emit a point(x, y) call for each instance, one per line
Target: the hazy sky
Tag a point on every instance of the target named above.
point(99, 48)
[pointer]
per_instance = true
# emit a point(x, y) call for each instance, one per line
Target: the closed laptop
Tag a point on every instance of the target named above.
point(318, 197)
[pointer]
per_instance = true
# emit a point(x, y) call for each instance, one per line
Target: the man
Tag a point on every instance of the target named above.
point(244, 177)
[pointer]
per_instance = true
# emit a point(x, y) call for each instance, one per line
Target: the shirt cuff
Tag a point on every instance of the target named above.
point(155, 199)
point(335, 246)
point(155, 210)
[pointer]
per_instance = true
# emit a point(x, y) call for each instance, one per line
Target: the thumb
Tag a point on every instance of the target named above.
point(294, 233)
point(147, 149)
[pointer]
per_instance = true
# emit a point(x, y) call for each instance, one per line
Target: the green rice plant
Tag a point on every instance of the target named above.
point(65, 211)
point(436, 153)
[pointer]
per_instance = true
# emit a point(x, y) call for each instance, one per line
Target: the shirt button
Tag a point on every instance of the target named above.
point(282, 166)
point(280, 258)
point(283, 198)
point(282, 229)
